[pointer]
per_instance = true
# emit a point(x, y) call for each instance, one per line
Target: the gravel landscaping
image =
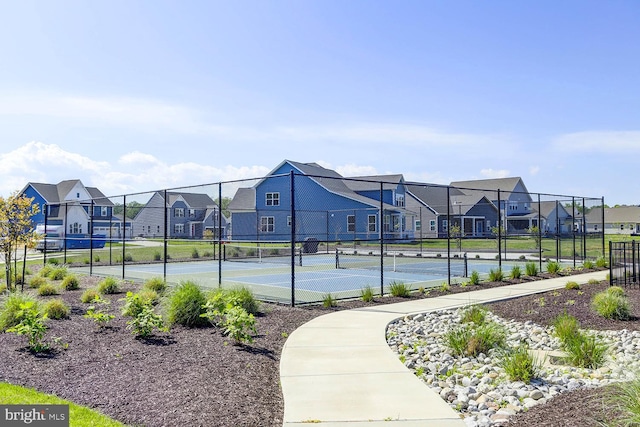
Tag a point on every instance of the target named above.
point(198, 377)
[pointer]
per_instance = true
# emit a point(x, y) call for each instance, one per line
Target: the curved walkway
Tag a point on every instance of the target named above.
point(338, 370)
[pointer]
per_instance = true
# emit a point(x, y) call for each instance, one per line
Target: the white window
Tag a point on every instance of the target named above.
point(372, 223)
point(273, 199)
point(75, 228)
point(418, 225)
point(267, 224)
point(351, 223)
point(178, 228)
point(178, 212)
point(387, 222)
point(104, 211)
point(192, 213)
point(432, 225)
point(400, 200)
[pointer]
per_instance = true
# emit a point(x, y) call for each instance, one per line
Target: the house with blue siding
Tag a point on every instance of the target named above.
point(75, 207)
point(188, 216)
point(328, 207)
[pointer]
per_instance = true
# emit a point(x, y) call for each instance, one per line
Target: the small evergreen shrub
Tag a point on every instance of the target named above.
point(89, 295)
point(399, 289)
point(47, 289)
point(366, 294)
point(10, 311)
point(37, 281)
point(553, 267)
point(329, 301)
point(496, 275)
point(108, 286)
point(516, 272)
point(185, 305)
point(531, 269)
point(571, 285)
point(70, 283)
point(56, 309)
point(520, 365)
point(156, 284)
point(611, 305)
point(474, 279)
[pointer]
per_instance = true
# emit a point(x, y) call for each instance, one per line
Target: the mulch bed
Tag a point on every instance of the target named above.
point(197, 377)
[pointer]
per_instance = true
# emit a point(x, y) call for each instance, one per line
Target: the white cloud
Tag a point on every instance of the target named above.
point(534, 170)
point(492, 173)
point(614, 142)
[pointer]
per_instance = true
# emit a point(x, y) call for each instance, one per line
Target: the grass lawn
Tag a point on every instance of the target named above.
point(79, 416)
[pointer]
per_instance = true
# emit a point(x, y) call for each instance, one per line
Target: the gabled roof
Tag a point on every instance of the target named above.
point(622, 214)
point(547, 207)
point(461, 204)
point(490, 186)
point(55, 193)
point(433, 196)
point(243, 200)
point(193, 200)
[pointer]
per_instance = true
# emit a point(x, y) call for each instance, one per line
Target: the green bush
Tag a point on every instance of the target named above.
point(585, 351)
point(47, 289)
point(128, 257)
point(37, 281)
point(32, 325)
point(474, 313)
point(471, 340)
point(366, 294)
point(108, 286)
point(156, 284)
point(625, 398)
point(145, 322)
point(531, 269)
point(133, 304)
point(329, 301)
point(243, 297)
point(150, 296)
point(10, 311)
point(593, 282)
point(70, 283)
point(588, 265)
point(58, 273)
point(157, 256)
point(611, 306)
point(616, 291)
point(444, 287)
point(571, 285)
point(496, 275)
point(553, 267)
point(520, 365)
point(99, 315)
point(566, 326)
point(516, 272)
point(474, 279)
point(195, 254)
point(399, 289)
point(238, 324)
point(45, 270)
point(89, 295)
point(185, 305)
point(602, 262)
point(53, 261)
point(56, 309)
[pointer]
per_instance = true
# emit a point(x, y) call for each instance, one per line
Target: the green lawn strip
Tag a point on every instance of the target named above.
point(80, 416)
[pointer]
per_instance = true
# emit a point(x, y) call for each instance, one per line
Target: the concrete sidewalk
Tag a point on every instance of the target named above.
point(338, 370)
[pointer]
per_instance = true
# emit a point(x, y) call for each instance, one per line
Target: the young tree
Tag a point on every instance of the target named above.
point(16, 228)
point(455, 233)
point(535, 233)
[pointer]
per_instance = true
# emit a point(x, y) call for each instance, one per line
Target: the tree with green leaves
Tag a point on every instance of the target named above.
point(534, 231)
point(455, 233)
point(16, 228)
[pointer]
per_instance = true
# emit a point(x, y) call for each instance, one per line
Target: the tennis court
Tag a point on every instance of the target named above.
point(342, 275)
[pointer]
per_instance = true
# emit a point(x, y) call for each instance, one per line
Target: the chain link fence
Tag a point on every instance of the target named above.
point(299, 238)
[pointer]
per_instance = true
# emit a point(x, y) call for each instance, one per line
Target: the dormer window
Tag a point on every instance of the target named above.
point(272, 199)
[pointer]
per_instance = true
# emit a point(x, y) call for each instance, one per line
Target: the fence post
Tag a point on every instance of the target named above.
point(610, 263)
point(219, 234)
point(124, 232)
point(293, 238)
point(381, 239)
point(46, 217)
point(91, 239)
point(500, 230)
point(539, 233)
point(448, 235)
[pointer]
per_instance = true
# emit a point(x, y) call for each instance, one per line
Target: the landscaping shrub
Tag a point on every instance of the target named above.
point(366, 294)
point(47, 289)
point(89, 295)
point(444, 287)
point(399, 289)
point(571, 285)
point(70, 283)
point(615, 290)
point(474, 279)
point(610, 305)
point(108, 285)
point(128, 257)
point(473, 340)
point(37, 281)
point(157, 256)
point(474, 313)
point(32, 325)
point(156, 284)
point(150, 296)
point(185, 305)
point(133, 304)
point(496, 275)
point(516, 272)
point(10, 311)
point(53, 261)
point(531, 269)
point(588, 264)
point(602, 262)
point(553, 267)
point(58, 273)
point(145, 322)
point(195, 254)
point(520, 365)
point(329, 301)
point(45, 270)
point(625, 398)
point(243, 297)
point(566, 326)
point(585, 351)
point(56, 309)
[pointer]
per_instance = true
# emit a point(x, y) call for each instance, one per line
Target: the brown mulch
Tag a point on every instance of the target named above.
point(197, 377)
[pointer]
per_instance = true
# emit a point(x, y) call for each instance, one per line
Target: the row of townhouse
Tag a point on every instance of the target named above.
point(331, 207)
point(328, 207)
point(75, 208)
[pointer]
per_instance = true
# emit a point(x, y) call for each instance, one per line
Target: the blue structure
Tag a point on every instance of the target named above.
point(327, 206)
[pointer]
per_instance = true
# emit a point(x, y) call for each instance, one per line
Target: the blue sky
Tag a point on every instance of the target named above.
point(141, 95)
